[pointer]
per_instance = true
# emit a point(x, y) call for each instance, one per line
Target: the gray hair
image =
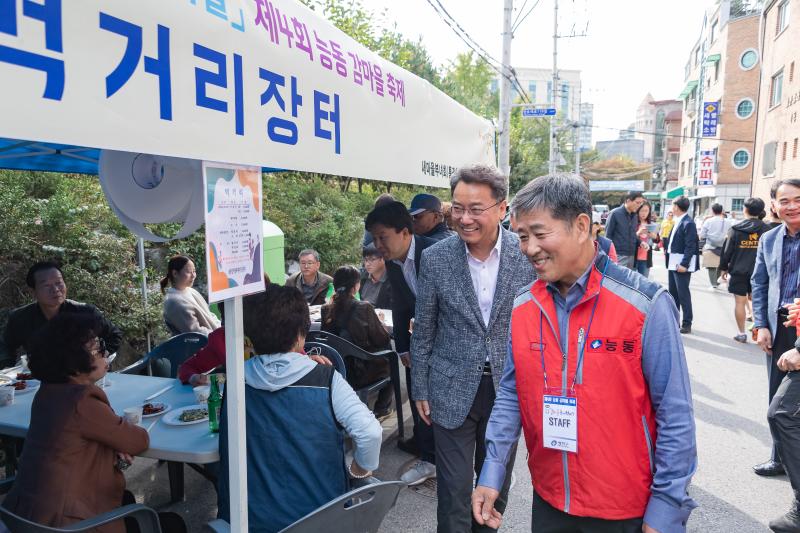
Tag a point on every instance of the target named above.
point(566, 196)
point(482, 174)
point(309, 251)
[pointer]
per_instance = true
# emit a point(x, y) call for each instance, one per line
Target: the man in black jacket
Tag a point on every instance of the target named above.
point(47, 285)
point(426, 211)
point(621, 228)
point(739, 259)
point(392, 230)
point(683, 260)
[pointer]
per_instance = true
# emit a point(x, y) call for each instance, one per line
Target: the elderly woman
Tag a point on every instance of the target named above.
point(69, 470)
point(297, 414)
point(185, 309)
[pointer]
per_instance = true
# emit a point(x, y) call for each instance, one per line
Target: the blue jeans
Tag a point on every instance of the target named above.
point(642, 268)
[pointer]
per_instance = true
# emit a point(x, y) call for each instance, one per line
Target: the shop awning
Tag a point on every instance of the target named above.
point(673, 193)
point(652, 195)
point(714, 58)
point(688, 89)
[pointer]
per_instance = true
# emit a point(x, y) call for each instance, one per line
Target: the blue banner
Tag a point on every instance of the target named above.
point(710, 118)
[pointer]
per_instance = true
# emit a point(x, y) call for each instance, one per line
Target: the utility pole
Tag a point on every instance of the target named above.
point(577, 129)
point(505, 92)
point(553, 133)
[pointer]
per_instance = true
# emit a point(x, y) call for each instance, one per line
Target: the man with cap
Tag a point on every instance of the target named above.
point(426, 210)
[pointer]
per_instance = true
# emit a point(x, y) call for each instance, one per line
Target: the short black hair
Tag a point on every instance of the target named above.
point(773, 192)
point(682, 203)
point(41, 266)
point(717, 209)
point(275, 318)
point(392, 215)
point(58, 350)
point(370, 251)
point(755, 207)
point(633, 195)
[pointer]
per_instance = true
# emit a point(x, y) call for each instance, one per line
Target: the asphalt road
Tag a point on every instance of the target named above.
point(730, 401)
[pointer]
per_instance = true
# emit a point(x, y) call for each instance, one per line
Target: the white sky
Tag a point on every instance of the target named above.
point(633, 46)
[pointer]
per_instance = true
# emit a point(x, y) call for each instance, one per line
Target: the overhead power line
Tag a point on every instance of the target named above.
point(518, 24)
point(677, 136)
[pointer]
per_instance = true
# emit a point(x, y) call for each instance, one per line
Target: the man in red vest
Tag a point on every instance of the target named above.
point(596, 379)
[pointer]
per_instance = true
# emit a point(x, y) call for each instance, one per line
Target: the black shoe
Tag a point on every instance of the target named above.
point(383, 414)
point(408, 446)
point(769, 469)
point(788, 523)
point(686, 329)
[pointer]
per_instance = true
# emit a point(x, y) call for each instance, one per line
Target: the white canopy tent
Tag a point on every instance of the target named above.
point(254, 82)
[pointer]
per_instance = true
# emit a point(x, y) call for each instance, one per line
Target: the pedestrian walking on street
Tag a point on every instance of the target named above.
point(602, 467)
point(713, 233)
point(646, 238)
point(466, 291)
point(739, 258)
point(775, 286)
point(666, 229)
point(683, 251)
point(621, 228)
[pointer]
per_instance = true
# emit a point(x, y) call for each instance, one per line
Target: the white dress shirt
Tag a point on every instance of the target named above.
point(409, 268)
point(484, 277)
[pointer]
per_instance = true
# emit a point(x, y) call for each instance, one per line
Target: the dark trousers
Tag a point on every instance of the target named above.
point(784, 424)
point(423, 433)
point(679, 289)
point(548, 519)
point(784, 340)
point(169, 522)
point(460, 452)
point(665, 241)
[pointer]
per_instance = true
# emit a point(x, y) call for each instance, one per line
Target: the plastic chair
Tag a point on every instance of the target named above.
point(348, 349)
point(359, 511)
point(164, 359)
point(317, 348)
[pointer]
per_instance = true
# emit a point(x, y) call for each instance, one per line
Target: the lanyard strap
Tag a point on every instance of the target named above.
point(582, 342)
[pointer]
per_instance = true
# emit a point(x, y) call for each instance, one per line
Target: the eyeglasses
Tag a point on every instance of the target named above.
point(458, 211)
point(308, 263)
point(100, 351)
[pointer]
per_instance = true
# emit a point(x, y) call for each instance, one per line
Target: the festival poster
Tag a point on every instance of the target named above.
point(234, 235)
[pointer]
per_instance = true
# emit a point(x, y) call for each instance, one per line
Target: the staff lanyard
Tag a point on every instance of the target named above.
point(582, 341)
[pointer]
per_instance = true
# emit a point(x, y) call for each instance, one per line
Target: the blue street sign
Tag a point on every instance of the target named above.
point(538, 112)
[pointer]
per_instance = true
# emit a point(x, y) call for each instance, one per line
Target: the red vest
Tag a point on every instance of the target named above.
point(610, 475)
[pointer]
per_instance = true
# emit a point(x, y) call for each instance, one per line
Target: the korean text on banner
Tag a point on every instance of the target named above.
point(708, 161)
point(710, 118)
point(255, 82)
point(234, 231)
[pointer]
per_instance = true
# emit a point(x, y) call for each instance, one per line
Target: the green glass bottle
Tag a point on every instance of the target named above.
point(329, 294)
point(214, 405)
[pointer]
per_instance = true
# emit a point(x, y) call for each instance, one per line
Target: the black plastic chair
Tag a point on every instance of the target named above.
point(164, 360)
point(348, 349)
point(359, 511)
point(317, 348)
point(145, 517)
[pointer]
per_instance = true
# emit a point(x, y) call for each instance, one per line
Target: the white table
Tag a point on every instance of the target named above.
point(185, 444)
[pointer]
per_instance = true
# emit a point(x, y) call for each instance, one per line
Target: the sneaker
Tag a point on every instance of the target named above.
point(383, 414)
point(418, 473)
point(740, 338)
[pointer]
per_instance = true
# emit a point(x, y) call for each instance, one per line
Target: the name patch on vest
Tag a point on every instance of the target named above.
point(616, 345)
point(537, 346)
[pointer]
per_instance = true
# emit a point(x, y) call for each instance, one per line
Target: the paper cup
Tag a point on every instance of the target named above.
point(134, 415)
point(6, 396)
point(201, 393)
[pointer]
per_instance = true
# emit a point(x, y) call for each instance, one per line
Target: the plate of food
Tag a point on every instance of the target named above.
point(23, 386)
point(184, 416)
point(151, 409)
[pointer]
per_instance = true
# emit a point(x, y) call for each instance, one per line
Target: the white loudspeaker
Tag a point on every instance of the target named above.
point(150, 189)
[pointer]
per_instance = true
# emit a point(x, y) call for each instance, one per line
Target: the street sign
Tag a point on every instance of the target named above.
point(539, 112)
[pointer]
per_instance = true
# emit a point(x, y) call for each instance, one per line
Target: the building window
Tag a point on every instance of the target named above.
point(783, 17)
point(564, 97)
point(791, 72)
point(776, 89)
point(737, 204)
point(794, 149)
point(745, 107)
point(683, 137)
point(692, 129)
point(748, 59)
point(768, 161)
point(683, 168)
point(696, 56)
point(741, 158)
point(716, 71)
point(785, 148)
point(532, 90)
point(690, 167)
point(714, 26)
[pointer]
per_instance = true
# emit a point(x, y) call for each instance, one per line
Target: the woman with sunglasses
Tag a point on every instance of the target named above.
point(76, 446)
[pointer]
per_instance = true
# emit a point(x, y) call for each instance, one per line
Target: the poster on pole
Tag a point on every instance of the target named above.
point(234, 230)
point(708, 160)
point(710, 118)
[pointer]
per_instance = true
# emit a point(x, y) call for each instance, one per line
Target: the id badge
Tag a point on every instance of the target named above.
point(560, 421)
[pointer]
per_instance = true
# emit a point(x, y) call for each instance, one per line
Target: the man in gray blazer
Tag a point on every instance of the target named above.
point(465, 296)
